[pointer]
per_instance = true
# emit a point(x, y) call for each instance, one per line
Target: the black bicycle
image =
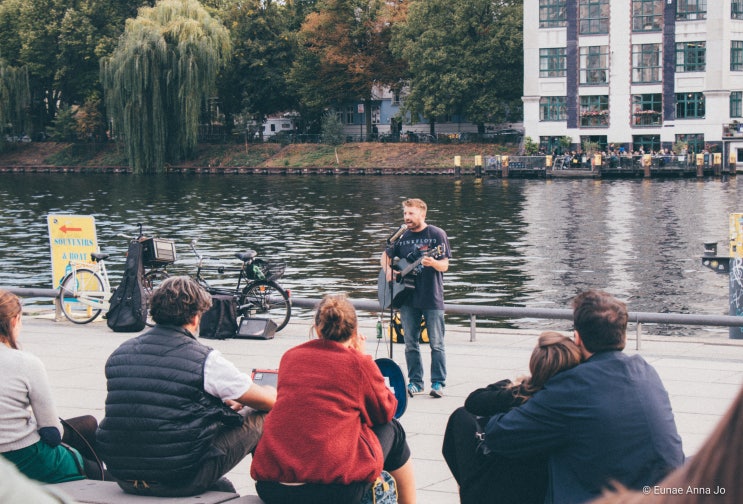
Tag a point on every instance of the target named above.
point(257, 294)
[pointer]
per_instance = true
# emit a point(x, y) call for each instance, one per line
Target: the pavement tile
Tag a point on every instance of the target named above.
point(702, 377)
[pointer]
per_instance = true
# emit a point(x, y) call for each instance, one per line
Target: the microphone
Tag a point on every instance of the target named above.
point(397, 234)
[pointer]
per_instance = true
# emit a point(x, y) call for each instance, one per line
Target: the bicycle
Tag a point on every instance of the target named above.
point(86, 289)
point(257, 294)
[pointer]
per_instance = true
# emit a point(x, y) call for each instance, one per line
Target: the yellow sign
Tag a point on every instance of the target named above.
point(736, 235)
point(71, 238)
point(716, 158)
point(478, 160)
point(457, 160)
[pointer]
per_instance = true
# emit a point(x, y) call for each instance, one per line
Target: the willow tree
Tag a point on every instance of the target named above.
point(157, 78)
point(14, 100)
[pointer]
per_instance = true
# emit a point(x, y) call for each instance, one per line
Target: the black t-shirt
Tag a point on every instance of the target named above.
point(429, 283)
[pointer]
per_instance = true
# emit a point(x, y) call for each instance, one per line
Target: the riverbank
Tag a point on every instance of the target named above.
point(56, 156)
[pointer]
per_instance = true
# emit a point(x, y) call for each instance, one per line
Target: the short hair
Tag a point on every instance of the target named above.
point(601, 321)
point(177, 300)
point(335, 318)
point(10, 307)
point(415, 202)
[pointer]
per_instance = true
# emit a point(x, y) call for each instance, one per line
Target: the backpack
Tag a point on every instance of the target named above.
point(220, 321)
point(128, 310)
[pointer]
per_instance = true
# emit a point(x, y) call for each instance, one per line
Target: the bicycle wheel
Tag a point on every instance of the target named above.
point(265, 299)
point(152, 280)
point(82, 296)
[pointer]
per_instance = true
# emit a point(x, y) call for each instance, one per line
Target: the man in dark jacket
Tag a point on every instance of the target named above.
point(606, 420)
point(172, 426)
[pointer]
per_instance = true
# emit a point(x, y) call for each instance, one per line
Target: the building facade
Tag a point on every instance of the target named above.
point(637, 74)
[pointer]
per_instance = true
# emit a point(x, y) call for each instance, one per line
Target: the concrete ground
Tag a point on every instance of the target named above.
point(702, 377)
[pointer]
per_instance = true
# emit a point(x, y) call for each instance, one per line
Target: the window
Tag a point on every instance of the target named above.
point(646, 63)
point(594, 16)
point(594, 110)
point(648, 143)
point(594, 65)
point(647, 110)
point(552, 62)
point(552, 108)
point(736, 9)
point(647, 15)
point(736, 103)
point(689, 105)
point(690, 56)
point(694, 142)
point(691, 10)
point(350, 110)
point(554, 145)
point(736, 55)
point(552, 13)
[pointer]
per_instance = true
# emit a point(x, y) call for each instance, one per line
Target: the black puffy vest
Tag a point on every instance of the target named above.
point(159, 421)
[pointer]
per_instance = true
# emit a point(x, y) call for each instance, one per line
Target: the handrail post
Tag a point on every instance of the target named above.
point(638, 336)
point(473, 325)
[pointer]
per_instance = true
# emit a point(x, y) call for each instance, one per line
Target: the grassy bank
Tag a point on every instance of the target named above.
point(352, 155)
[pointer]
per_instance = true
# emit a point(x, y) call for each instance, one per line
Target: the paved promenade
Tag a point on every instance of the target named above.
point(702, 377)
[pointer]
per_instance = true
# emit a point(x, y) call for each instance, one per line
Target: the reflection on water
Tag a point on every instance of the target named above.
point(518, 243)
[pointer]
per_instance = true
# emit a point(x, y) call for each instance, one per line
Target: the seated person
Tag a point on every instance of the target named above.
point(31, 435)
point(607, 420)
point(490, 478)
point(170, 429)
point(332, 430)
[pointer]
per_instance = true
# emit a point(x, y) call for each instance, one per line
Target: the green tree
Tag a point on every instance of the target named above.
point(465, 58)
point(332, 129)
point(60, 43)
point(14, 99)
point(254, 83)
point(160, 74)
point(346, 52)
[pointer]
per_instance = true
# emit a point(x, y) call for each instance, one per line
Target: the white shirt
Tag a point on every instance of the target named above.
point(222, 378)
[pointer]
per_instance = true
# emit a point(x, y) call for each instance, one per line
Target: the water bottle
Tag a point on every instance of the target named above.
point(379, 328)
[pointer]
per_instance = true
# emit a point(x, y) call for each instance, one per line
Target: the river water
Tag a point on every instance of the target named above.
point(532, 243)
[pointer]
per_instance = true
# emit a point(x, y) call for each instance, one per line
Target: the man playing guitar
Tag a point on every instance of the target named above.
point(427, 298)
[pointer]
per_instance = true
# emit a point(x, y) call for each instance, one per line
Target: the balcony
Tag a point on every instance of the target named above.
point(594, 119)
point(732, 130)
point(647, 118)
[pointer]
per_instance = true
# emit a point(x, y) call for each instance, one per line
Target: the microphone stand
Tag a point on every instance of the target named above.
point(390, 285)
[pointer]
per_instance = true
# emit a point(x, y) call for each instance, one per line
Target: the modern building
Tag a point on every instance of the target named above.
point(640, 74)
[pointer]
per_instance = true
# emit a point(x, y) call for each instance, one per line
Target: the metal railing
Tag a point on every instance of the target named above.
point(515, 312)
point(488, 312)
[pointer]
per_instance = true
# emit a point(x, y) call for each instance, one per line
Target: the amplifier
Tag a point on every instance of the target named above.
point(256, 328)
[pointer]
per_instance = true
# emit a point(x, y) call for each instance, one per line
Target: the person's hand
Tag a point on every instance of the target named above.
point(358, 342)
point(234, 405)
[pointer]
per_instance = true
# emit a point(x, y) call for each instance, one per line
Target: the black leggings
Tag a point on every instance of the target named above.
point(396, 453)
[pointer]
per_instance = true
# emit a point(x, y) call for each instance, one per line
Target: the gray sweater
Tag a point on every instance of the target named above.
point(26, 402)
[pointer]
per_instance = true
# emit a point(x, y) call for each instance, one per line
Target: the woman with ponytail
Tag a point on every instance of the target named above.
point(31, 434)
point(332, 431)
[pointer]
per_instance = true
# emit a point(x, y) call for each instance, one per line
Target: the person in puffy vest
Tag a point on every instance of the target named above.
point(175, 421)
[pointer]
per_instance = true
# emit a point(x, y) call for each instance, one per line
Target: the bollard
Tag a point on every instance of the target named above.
point(736, 271)
point(478, 166)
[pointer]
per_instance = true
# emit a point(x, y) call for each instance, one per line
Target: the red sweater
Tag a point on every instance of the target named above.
point(319, 431)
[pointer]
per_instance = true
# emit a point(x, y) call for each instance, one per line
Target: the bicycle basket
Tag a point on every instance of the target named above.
point(266, 270)
point(157, 252)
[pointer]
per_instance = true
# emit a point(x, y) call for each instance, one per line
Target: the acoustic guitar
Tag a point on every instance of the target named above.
point(403, 283)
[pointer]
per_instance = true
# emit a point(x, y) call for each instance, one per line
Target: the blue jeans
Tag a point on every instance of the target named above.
point(411, 326)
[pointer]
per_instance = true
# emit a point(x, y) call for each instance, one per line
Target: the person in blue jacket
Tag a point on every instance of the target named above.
point(606, 421)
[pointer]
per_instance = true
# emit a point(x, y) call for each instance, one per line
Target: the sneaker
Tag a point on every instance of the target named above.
point(414, 389)
point(437, 390)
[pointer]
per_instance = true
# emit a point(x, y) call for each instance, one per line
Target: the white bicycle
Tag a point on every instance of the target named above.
point(85, 290)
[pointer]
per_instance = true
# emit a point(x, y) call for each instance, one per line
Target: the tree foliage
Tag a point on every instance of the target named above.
point(464, 57)
point(14, 99)
point(158, 77)
point(254, 83)
point(346, 51)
